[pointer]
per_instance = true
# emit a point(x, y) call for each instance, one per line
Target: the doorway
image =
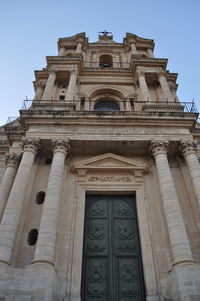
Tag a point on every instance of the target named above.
point(112, 264)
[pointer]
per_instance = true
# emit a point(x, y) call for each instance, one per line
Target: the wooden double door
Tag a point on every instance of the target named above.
point(112, 266)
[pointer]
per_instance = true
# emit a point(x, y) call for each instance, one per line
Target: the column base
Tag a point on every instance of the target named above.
point(183, 283)
point(43, 263)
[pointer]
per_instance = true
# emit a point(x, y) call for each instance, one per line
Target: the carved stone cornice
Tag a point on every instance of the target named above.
point(12, 159)
point(31, 144)
point(188, 147)
point(61, 145)
point(159, 147)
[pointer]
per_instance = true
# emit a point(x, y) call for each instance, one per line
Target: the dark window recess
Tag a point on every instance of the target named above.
point(105, 61)
point(40, 196)
point(106, 105)
point(62, 97)
point(64, 86)
point(48, 161)
point(32, 237)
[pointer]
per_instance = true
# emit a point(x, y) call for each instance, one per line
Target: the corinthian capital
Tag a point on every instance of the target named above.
point(188, 147)
point(159, 147)
point(31, 144)
point(61, 145)
point(12, 159)
point(74, 72)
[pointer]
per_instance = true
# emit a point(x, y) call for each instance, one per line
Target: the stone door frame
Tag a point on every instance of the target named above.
point(135, 188)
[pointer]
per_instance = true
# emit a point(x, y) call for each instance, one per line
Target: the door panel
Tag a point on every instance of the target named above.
point(112, 268)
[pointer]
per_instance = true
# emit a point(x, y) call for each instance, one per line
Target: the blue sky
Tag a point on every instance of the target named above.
point(30, 29)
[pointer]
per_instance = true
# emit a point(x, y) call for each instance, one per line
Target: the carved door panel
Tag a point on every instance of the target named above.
point(112, 268)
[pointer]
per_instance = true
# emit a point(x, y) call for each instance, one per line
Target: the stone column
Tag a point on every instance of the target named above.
point(72, 85)
point(39, 91)
point(61, 51)
point(143, 86)
point(12, 160)
point(133, 48)
point(45, 248)
point(165, 87)
point(79, 47)
point(47, 95)
point(127, 105)
point(188, 149)
point(150, 53)
point(12, 213)
point(175, 224)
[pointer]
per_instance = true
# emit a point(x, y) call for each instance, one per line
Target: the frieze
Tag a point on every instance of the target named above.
point(109, 179)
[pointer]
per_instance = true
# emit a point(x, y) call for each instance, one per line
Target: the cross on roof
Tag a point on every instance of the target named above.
point(105, 32)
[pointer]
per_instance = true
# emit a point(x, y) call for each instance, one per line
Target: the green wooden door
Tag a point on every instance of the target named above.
point(112, 267)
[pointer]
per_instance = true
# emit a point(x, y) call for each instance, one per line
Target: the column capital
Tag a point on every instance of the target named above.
point(159, 147)
point(61, 145)
point(140, 73)
point(161, 73)
point(12, 159)
point(188, 147)
point(40, 84)
point(74, 72)
point(31, 144)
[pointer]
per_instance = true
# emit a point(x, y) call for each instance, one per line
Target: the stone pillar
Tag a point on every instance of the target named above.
point(133, 48)
point(61, 51)
point(79, 47)
point(175, 224)
point(46, 244)
point(39, 91)
point(188, 149)
point(47, 95)
point(165, 87)
point(12, 161)
point(127, 105)
point(143, 86)
point(150, 53)
point(72, 85)
point(13, 210)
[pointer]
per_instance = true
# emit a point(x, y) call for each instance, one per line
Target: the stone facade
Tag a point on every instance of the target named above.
point(105, 119)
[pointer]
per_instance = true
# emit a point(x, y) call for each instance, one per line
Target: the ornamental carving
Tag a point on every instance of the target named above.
point(158, 147)
point(12, 159)
point(109, 179)
point(31, 144)
point(188, 147)
point(62, 145)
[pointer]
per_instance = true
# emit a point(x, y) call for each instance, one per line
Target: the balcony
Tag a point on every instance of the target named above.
point(125, 106)
point(107, 66)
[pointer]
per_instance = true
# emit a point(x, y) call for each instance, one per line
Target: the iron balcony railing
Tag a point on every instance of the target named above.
point(124, 105)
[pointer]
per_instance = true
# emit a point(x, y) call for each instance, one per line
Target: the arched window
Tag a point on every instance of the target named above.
point(106, 105)
point(105, 61)
point(40, 196)
point(32, 237)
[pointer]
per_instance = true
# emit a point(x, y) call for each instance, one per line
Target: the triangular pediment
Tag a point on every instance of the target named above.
point(108, 161)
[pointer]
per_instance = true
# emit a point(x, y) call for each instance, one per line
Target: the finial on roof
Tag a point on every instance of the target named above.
point(105, 35)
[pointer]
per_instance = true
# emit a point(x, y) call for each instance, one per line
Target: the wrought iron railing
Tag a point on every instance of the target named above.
point(124, 105)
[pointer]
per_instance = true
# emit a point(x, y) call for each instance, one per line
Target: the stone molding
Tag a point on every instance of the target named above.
point(159, 147)
point(12, 159)
point(61, 145)
point(188, 147)
point(31, 144)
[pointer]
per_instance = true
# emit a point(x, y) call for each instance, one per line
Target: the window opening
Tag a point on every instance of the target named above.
point(106, 105)
point(32, 237)
point(62, 97)
point(40, 196)
point(48, 161)
point(105, 61)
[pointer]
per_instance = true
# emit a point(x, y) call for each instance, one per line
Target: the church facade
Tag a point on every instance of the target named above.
point(100, 180)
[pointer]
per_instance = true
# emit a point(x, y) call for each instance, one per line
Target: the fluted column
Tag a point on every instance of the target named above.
point(143, 86)
point(39, 91)
point(47, 95)
point(13, 210)
point(79, 47)
point(176, 228)
point(72, 85)
point(12, 160)
point(61, 51)
point(133, 48)
point(165, 87)
point(45, 248)
point(188, 149)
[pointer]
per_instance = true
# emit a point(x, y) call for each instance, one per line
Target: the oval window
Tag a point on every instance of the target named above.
point(32, 237)
point(40, 197)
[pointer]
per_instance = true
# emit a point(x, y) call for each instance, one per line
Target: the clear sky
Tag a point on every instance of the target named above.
point(29, 30)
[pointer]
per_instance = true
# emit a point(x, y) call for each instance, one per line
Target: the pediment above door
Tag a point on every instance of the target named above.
point(108, 162)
